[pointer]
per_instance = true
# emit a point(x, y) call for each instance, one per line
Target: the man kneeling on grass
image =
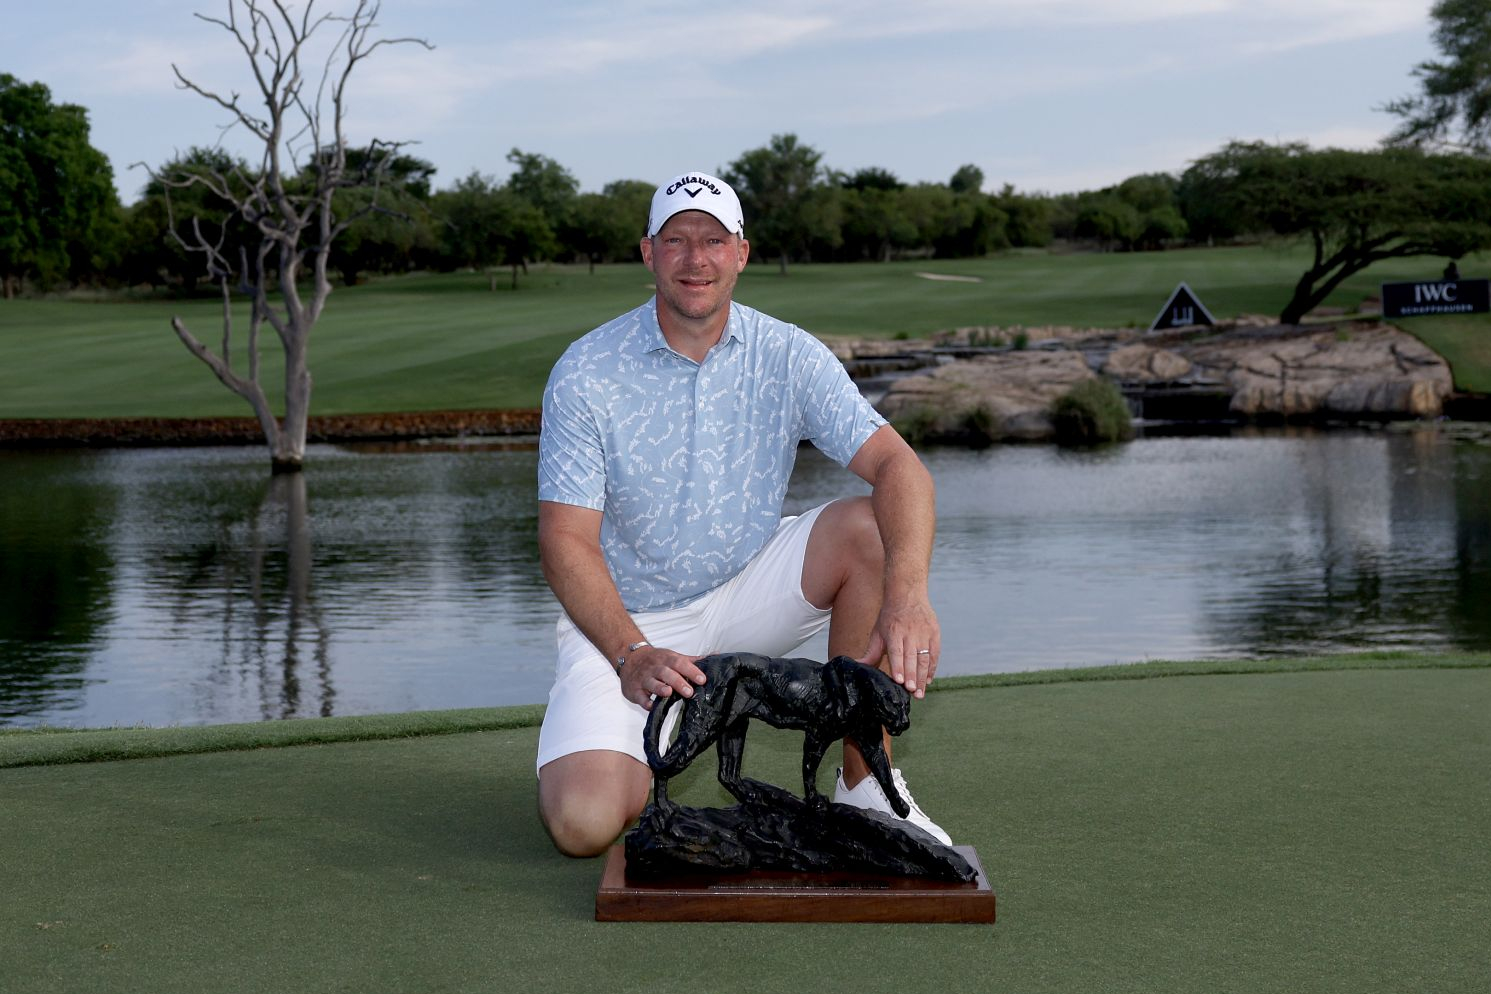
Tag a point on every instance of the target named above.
point(668, 438)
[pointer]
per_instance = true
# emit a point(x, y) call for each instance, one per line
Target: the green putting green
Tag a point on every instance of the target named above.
point(1317, 827)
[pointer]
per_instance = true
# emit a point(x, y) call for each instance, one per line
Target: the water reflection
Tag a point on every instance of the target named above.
point(188, 586)
point(56, 581)
point(274, 642)
point(1364, 553)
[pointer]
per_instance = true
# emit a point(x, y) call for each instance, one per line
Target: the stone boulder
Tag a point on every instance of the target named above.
point(1373, 371)
point(1000, 397)
point(1141, 363)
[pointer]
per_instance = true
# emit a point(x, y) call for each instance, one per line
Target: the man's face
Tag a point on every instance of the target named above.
point(696, 262)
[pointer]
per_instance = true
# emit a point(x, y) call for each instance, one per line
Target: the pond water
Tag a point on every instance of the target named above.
point(187, 586)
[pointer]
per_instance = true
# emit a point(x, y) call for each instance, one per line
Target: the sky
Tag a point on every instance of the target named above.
point(1051, 96)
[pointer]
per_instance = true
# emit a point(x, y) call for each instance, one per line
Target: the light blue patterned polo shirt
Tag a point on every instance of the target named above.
point(690, 462)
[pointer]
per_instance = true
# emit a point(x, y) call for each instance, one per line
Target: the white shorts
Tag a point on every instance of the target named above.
point(761, 609)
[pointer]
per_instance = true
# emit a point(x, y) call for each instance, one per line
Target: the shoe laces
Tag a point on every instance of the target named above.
point(905, 792)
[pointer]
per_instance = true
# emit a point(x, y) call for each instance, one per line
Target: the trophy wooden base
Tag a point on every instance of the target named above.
point(785, 896)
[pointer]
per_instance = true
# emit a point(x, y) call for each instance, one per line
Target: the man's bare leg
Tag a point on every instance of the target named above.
point(843, 569)
point(587, 798)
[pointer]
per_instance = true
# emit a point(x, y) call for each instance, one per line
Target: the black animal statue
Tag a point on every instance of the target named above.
point(826, 701)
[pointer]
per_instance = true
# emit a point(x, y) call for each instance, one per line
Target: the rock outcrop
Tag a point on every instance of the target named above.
point(989, 398)
point(1139, 363)
point(1245, 369)
point(1373, 371)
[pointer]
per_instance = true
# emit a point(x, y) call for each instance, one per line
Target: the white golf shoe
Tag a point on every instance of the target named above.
point(868, 795)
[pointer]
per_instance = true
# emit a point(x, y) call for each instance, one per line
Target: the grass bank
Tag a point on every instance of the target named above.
point(59, 745)
point(1318, 826)
point(434, 342)
point(1464, 340)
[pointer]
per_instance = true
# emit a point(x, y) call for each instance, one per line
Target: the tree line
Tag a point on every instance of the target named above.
point(65, 226)
point(61, 223)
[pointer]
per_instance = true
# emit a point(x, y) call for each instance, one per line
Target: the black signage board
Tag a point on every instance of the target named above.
point(1406, 300)
point(1183, 309)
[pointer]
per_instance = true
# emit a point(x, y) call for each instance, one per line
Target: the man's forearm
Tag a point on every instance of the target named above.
point(570, 554)
point(904, 499)
point(577, 573)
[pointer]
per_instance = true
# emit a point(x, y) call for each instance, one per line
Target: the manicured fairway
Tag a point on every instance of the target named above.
point(1464, 340)
point(426, 342)
point(1264, 829)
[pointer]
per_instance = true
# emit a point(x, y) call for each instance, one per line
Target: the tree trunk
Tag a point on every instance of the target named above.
point(782, 263)
point(287, 212)
point(288, 451)
point(1308, 296)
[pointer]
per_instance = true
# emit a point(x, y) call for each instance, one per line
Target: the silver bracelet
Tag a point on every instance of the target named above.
point(621, 659)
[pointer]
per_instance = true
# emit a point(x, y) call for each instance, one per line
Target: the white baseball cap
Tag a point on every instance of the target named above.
point(696, 192)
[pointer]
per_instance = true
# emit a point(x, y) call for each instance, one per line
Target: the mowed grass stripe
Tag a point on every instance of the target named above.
point(434, 341)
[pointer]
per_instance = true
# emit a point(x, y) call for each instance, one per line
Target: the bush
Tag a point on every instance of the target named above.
point(1091, 413)
point(977, 426)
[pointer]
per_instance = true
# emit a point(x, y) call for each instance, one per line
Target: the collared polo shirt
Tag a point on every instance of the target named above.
point(689, 462)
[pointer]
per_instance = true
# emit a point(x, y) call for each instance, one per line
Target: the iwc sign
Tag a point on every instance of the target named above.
point(1406, 300)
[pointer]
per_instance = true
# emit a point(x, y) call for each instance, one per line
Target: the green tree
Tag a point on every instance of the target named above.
point(871, 178)
point(1454, 99)
point(391, 225)
point(1162, 225)
point(980, 228)
point(1148, 191)
point(786, 198)
point(1027, 218)
point(391, 230)
point(874, 223)
point(467, 217)
point(968, 179)
point(633, 199)
point(1356, 208)
point(484, 226)
point(608, 225)
point(933, 214)
point(553, 192)
point(1109, 220)
point(59, 215)
point(163, 225)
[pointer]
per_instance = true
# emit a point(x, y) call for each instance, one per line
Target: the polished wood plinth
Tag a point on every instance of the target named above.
point(785, 896)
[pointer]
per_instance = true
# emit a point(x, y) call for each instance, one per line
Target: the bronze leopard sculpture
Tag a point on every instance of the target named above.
point(827, 701)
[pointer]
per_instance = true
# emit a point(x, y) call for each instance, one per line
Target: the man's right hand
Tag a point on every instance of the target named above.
point(655, 672)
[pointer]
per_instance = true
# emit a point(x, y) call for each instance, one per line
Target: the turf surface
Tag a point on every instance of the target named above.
point(1315, 830)
point(432, 342)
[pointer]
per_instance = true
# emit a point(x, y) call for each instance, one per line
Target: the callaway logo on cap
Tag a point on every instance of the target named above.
point(696, 192)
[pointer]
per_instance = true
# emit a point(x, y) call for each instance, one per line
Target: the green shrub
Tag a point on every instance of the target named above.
point(1091, 413)
point(915, 426)
point(978, 426)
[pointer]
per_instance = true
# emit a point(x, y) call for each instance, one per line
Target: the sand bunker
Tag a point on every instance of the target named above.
point(951, 279)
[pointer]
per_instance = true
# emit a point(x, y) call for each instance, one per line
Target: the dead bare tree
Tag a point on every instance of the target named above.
point(288, 198)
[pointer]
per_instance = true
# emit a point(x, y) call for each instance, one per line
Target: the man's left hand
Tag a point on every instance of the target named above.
point(908, 637)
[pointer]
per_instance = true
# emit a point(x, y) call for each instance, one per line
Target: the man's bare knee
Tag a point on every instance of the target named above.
point(587, 799)
point(844, 547)
point(863, 533)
